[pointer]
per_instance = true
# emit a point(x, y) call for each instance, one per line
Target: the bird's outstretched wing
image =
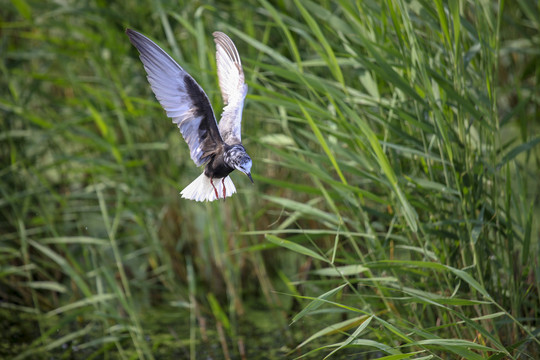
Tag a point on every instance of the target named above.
point(233, 88)
point(181, 97)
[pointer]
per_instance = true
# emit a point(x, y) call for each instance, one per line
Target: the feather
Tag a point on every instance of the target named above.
point(201, 188)
point(233, 88)
point(182, 98)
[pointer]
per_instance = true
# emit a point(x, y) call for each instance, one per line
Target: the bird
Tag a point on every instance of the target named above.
point(218, 147)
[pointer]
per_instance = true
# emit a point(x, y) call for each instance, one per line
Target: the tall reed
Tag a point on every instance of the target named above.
point(395, 160)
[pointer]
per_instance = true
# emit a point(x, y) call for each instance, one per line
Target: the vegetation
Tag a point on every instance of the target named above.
point(395, 208)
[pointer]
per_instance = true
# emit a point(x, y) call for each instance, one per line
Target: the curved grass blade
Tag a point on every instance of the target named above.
point(335, 328)
point(353, 336)
point(316, 303)
point(294, 247)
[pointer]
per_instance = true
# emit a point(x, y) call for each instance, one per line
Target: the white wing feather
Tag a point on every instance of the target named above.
point(233, 88)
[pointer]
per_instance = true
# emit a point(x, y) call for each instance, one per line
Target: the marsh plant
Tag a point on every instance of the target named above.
point(395, 208)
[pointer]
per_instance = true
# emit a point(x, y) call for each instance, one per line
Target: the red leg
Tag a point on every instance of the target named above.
point(224, 190)
point(215, 190)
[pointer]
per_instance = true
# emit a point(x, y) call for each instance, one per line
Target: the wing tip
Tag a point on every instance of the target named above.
point(130, 32)
point(135, 37)
point(218, 34)
point(223, 40)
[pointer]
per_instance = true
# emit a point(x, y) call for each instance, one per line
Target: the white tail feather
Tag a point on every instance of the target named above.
point(201, 189)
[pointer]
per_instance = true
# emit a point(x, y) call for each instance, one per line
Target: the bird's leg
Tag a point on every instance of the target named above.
point(224, 190)
point(215, 190)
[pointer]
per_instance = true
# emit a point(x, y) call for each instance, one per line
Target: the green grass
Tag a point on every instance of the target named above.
point(395, 208)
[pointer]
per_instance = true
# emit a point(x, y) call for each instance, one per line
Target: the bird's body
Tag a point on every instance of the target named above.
point(217, 167)
point(220, 148)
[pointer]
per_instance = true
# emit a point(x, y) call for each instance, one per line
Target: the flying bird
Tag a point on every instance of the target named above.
point(185, 102)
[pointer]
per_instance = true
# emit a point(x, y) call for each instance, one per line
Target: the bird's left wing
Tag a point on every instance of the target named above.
point(181, 97)
point(233, 88)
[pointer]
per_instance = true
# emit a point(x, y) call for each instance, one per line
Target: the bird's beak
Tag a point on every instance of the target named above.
point(250, 178)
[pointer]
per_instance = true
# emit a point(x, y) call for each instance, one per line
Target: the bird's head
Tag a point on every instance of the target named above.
point(244, 165)
point(237, 158)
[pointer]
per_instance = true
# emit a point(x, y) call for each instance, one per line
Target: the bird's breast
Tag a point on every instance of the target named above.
point(217, 168)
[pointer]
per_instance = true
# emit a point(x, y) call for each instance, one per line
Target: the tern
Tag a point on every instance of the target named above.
point(219, 148)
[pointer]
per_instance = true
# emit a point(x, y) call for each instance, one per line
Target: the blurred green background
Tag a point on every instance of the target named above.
point(395, 208)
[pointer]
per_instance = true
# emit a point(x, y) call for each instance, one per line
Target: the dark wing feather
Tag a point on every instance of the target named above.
point(182, 98)
point(233, 88)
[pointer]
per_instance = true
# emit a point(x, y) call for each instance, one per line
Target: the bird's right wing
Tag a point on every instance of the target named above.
point(181, 97)
point(233, 88)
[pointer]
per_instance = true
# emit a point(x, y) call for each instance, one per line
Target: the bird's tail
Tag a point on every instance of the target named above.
point(201, 189)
